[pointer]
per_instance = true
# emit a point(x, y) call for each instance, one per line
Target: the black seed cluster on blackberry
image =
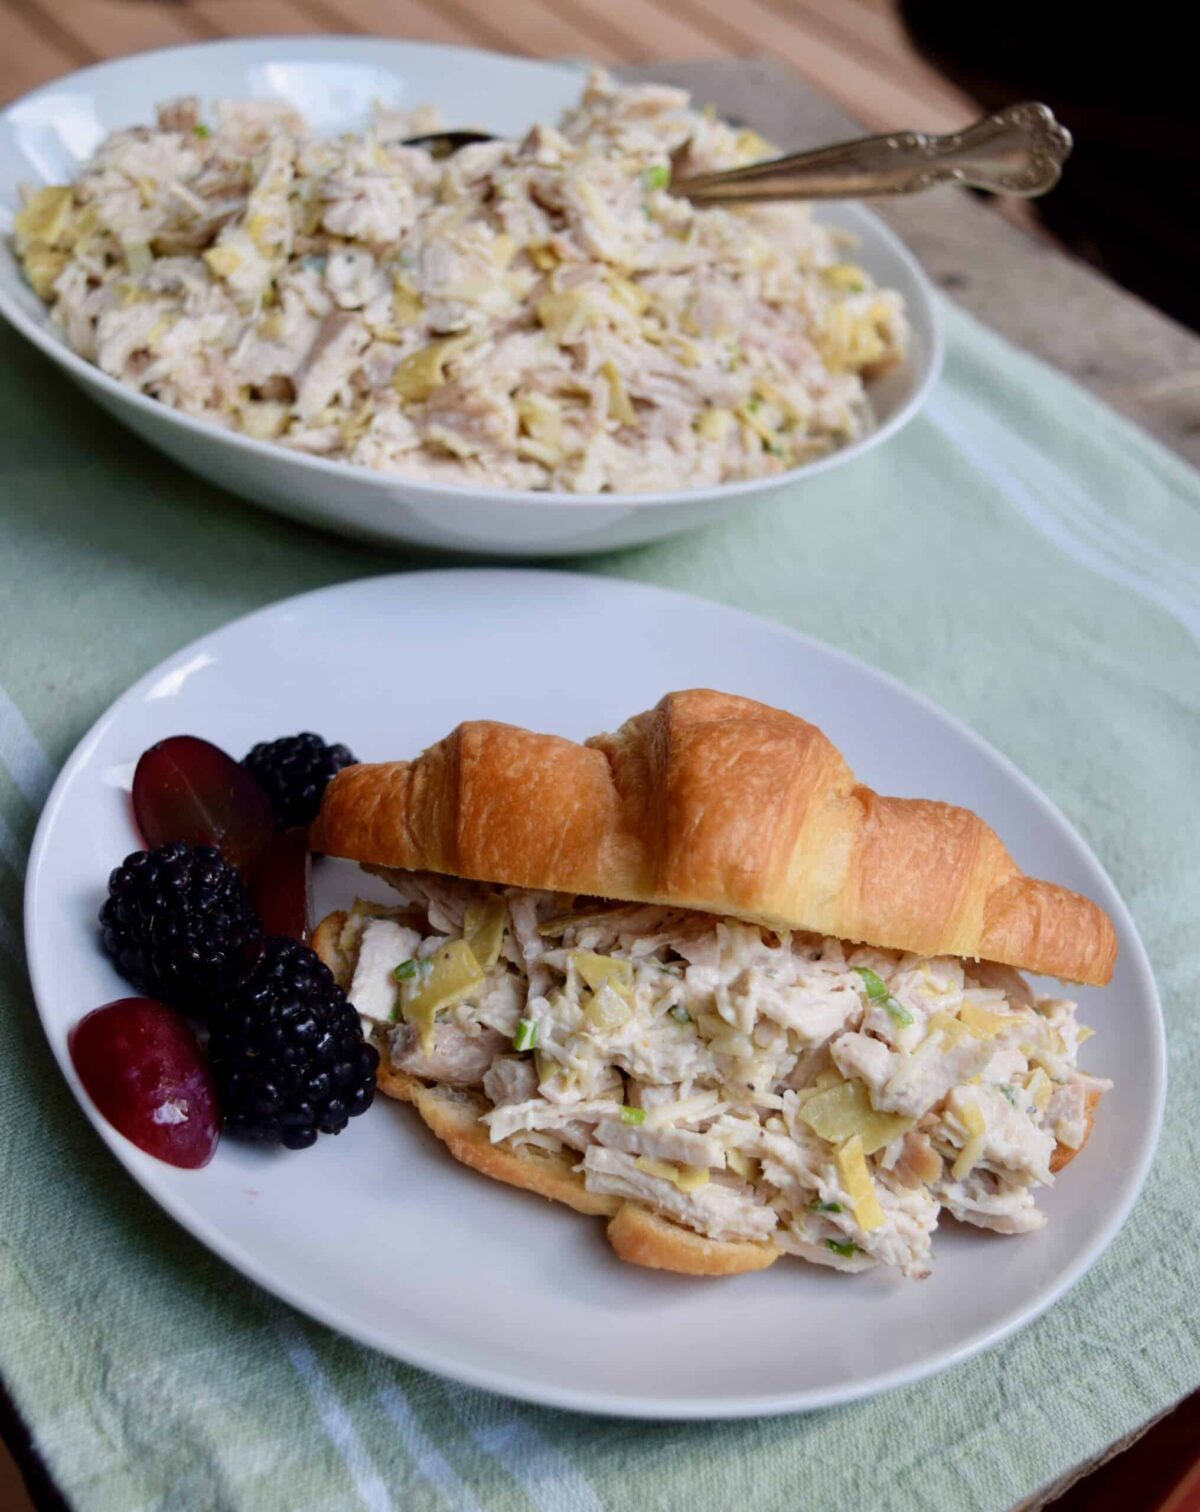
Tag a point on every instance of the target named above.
point(294, 773)
point(288, 1055)
point(180, 926)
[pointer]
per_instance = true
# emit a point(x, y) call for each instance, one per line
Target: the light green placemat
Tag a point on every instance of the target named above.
point(1020, 554)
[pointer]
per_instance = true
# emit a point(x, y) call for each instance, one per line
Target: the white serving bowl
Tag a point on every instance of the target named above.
point(46, 136)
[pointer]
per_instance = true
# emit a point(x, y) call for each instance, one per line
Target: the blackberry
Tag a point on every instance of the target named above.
point(180, 926)
point(294, 773)
point(288, 1055)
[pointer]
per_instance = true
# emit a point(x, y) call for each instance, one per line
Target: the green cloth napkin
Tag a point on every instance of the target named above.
point(1019, 553)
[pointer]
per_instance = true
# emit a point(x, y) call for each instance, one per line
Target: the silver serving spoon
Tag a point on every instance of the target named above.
point(1019, 150)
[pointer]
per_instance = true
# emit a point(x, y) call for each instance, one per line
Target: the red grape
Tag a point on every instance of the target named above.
point(186, 789)
point(279, 884)
point(142, 1067)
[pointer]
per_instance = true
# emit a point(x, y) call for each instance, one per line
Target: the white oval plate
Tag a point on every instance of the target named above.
point(48, 135)
point(379, 1233)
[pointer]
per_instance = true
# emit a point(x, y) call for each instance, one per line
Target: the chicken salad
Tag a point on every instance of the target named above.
point(538, 314)
point(748, 1084)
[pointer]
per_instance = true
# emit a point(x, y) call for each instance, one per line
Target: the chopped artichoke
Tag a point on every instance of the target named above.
point(751, 147)
point(542, 419)
point(686, 1178)
point(972, 1120)
point(449, 440)
point(42, 267)
point(446, 977)
point(715, 424)
point(375, 910)
point(608, 1009)
point(548, 1068)
point(138, 257)
point(1040, 1089)
point(748, 413)
point(222, 260)
point(45, 216)
point(406, 302)
point(483, 928)
point(602, 971)
point(723, 1038)
point(425, 370)
point(839, 1112)
point(631, 295)
point(537, 451)
point(849, 278)
point(851, 339)
point(270, 327)
point(566, 316)
point(782, 403)
point(852, 1168)
point(982, 1023)
point(952, 1030)
point(258, 228)
point(743, 1165)
point(619, 405)
point(264, 419)
point(353, 427)
point(543, 257)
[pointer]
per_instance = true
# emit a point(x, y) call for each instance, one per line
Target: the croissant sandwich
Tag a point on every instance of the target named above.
point(692, 976)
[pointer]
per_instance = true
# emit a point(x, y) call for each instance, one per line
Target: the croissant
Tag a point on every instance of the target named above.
point(714, 802)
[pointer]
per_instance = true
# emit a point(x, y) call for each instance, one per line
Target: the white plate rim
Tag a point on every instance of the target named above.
point(88, 374)
point(603, 1403)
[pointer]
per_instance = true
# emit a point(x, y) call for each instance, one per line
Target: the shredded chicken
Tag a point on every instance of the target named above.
point(750, 1085)
point(454, 1055)
point(538, 314)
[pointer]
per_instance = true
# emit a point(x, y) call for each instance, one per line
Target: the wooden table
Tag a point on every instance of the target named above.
point(1126, 353)
point(854, 50)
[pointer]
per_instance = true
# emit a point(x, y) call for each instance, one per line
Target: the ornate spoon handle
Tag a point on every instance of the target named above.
point(1019, 151)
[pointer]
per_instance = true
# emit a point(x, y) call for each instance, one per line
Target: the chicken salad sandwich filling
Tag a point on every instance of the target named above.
point(536, 314)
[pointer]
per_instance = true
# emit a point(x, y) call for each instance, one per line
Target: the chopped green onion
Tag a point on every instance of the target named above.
point(526, 1036)
point(845, 1250)
point(753, 405)
point(670, 967)
point(897, 1012)
point(876, 990)
point(633, 1115)
point(680, 1014)
point(1009, 1092)
point(406, 971)
point(656, 177)
point(201, 130)
point(817, 1206)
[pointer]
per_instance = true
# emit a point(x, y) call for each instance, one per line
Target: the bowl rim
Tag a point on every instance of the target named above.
point(87, 373)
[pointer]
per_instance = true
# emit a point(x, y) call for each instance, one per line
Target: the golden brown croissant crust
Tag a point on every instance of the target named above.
point(715, 802)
